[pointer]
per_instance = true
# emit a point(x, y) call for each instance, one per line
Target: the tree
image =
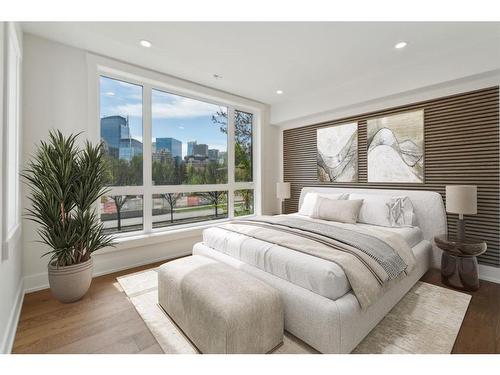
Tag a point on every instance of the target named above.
point(215, 198)
point(243, 164)
point(171, 199)
point(247, 196)
point(120, 201)
point(122, 172)
point(215, 173)
point(242, 125)
point(243, 141)
point(163, 173)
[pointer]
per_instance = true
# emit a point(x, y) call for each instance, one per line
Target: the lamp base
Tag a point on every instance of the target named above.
point(461, 229)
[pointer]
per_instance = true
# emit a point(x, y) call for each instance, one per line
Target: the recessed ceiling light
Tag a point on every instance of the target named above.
point(145, 43)
point(279, 92)
point(400, 45)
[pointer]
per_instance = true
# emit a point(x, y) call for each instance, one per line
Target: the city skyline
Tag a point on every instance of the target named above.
point(174, 116)
point(170, 144)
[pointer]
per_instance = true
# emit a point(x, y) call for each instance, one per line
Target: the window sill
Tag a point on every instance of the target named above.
point(157, 236)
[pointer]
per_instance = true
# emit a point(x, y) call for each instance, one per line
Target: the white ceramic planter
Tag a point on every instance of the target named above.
point(70, 283)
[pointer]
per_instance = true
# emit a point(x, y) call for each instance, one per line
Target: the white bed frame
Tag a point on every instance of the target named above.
point(338, 326)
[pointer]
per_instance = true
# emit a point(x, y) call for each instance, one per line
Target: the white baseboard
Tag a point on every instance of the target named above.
point(10, 332)
point(489, 273)
point(39, 281)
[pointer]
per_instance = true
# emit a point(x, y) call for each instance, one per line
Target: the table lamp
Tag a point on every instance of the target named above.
point(461, 200)
point(282, 192)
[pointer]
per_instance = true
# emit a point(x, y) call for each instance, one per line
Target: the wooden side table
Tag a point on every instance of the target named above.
point(459, 261)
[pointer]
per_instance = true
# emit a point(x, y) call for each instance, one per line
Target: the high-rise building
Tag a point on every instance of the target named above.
point(213, 154)
point(172, 145)
point(190, 150)
point(129, 147)
point(162, 156)
point(200, 150)
point(115, 132)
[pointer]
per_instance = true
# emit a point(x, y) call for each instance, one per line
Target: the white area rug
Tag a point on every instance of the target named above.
point(426, 320)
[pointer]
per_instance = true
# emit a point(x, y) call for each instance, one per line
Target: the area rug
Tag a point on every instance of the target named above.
point(426, 320)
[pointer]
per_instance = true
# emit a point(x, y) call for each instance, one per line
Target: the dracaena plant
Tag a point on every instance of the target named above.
point(65, 182)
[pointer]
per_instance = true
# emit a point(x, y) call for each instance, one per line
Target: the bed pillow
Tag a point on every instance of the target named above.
point(309, 201)
point(401, 213)
point(343, 211)
point(385, 210)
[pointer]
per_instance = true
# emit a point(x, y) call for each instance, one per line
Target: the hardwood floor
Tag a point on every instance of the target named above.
point(105, 321)
point(480, 331)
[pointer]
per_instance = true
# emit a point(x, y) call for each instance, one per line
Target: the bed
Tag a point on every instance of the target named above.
point(321, 307)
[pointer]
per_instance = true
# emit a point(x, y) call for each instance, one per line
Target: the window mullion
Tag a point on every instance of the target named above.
point(160, 189)
point(147, 159)
point(230, 161)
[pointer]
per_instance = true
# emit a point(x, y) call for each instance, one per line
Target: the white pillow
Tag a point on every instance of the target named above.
point(344, 211)
point(385, 210)
point(309, 201)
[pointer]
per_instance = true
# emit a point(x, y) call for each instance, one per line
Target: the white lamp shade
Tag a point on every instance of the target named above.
point(461, 199)
point(283, 190)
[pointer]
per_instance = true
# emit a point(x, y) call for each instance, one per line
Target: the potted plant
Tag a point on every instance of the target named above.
point(65, 182)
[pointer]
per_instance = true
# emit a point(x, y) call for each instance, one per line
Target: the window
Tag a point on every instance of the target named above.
point(122, 213)
point(173, 160)
point(11, 142)
point(121, 130)
point(243, 146)
point(181, 208)
point(243, 202)
point(189, 144)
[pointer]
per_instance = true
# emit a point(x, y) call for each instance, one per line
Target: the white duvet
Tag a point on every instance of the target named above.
point(316, 274)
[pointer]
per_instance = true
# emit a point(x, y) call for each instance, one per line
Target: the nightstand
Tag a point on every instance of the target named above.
point(459, 261)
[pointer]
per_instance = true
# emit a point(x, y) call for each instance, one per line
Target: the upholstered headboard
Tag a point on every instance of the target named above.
point(428, 207)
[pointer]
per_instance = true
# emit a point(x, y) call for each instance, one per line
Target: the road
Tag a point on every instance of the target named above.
point(179, 215)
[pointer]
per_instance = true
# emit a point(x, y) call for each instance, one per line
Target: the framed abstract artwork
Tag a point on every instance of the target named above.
point(337, 155)
point(396, 148)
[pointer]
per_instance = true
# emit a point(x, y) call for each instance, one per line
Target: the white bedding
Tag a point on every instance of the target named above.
point(316, 274)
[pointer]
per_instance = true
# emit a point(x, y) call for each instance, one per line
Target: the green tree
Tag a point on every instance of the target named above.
point(215, 173)
point(243, 141)
point(246, 207)
point(243, 164)
point(163, 173)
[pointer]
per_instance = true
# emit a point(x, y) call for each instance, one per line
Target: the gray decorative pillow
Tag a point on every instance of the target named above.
point(343, 211)
point(310, 199)
point(401, 212)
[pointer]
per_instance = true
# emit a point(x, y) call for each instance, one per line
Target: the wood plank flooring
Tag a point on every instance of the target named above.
point(105, 321)
point(480, 331)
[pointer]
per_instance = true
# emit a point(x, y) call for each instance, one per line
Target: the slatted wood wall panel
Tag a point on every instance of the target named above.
point(461, 147)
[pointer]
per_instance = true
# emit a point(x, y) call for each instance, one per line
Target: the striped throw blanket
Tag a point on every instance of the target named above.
point(369, 258)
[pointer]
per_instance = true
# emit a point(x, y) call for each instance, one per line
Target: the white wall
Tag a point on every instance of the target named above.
point(11, 281)
point(56, 97)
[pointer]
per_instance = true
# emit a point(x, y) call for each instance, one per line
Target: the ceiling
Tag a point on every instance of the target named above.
point(319, 66)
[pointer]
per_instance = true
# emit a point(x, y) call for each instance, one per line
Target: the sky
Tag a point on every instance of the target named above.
point(173, 116)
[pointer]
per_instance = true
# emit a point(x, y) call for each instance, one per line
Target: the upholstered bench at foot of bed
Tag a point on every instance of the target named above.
point(329, 326)
point(221, 309)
